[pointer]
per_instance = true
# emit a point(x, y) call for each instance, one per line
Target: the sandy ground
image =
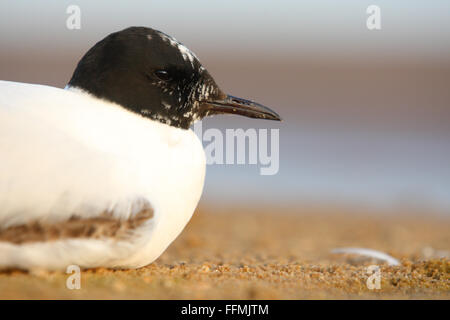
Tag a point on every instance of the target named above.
point(271, 254)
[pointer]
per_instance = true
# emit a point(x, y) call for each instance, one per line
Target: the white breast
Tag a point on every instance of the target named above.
point(64, 151)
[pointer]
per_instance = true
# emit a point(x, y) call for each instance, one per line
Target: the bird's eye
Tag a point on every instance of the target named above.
point(162, 75)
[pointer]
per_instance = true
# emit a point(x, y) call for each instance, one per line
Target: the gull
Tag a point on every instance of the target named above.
point(107, 172)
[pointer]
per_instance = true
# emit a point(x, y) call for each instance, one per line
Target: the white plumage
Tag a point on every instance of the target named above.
point(65, 151)
point(107, 173)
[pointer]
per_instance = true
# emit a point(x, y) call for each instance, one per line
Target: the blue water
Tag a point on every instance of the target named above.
point(373, 168)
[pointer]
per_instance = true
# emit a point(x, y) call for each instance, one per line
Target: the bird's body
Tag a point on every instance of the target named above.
point(106, 173)
point(65, 153)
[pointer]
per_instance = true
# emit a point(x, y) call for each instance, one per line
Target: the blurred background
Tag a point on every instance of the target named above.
point(366, 113)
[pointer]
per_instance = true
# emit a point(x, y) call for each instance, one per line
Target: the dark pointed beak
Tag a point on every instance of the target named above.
point(233, 105)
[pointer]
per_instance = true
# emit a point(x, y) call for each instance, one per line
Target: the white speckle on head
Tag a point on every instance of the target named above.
point(206, 91)
point(149, 37)
point(187, 114)
point(166, 105)
point(163, 119)
point(185, 52)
